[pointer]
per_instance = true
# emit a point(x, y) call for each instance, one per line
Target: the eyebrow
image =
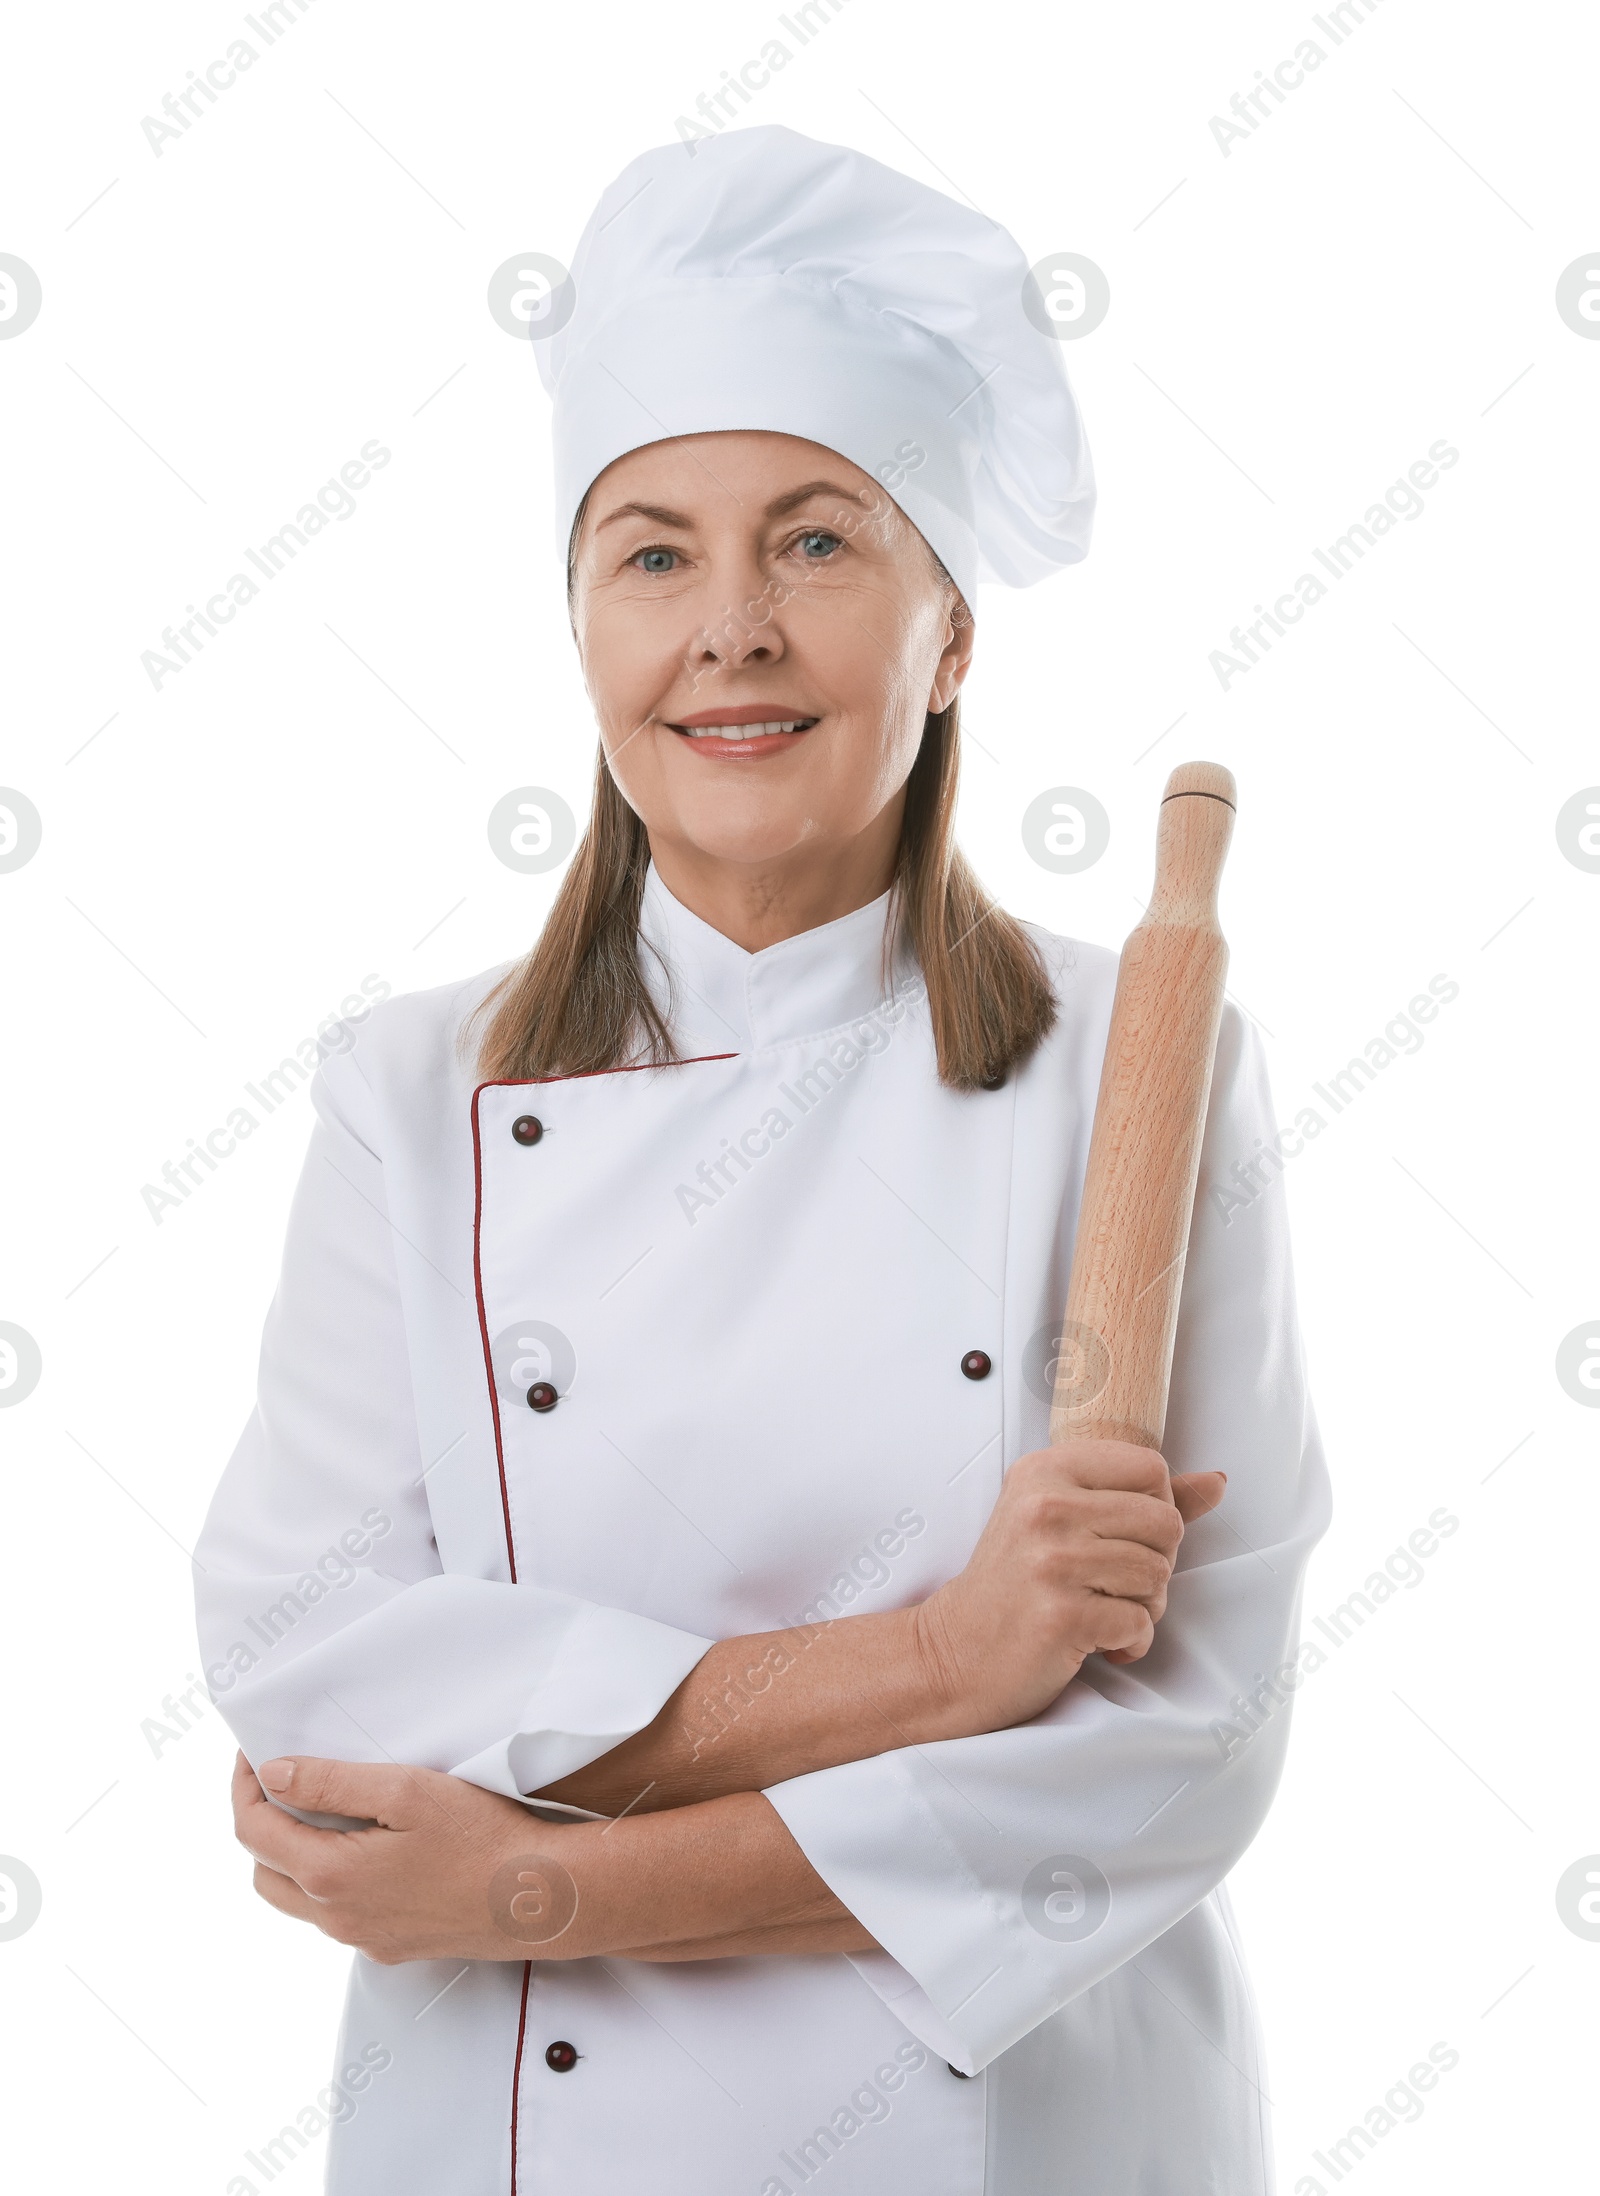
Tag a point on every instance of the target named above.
point(659, 515)
point(792, 502)
point(655, 512)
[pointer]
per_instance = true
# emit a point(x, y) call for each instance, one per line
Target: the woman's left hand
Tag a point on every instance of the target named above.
point(448, 1872)
point(451, 1872)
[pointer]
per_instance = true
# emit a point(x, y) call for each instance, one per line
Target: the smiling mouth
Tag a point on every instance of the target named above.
point(737, 730)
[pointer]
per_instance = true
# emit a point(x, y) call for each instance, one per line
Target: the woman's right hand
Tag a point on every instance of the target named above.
point(1074, 1561)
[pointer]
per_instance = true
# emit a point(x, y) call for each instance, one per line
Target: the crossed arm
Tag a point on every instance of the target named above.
point(692, 1862)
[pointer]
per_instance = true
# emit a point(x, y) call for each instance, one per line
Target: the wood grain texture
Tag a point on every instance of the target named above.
point(1115, 1359)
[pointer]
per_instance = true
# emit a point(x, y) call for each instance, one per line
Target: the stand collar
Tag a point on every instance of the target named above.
point(723, 999)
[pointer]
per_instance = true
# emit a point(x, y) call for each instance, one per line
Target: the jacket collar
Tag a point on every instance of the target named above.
point(723, 999)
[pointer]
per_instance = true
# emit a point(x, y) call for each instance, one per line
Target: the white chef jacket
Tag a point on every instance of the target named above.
point(752, 1279)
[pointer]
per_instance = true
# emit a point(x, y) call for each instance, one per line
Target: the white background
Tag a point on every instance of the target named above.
point(1292, 325)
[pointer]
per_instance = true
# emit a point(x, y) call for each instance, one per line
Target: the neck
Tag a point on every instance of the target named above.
point(760, 903)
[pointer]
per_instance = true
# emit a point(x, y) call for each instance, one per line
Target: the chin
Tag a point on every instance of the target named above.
point(745, 839)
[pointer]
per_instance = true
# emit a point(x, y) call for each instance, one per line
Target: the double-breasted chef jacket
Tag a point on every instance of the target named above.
point(764, 1284)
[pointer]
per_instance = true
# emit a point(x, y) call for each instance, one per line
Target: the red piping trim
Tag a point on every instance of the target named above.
point(516, 2071)
point(582, 1075)
point(511, 1082)
point(515, 1082)
point(483, 1327)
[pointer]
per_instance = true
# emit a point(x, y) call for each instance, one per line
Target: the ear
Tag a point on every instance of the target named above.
point(955, 659)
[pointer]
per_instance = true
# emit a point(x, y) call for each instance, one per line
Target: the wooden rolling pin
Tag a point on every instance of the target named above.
point(1115, 1359)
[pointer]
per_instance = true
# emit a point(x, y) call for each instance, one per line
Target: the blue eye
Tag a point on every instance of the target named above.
point(656, 560)
point(808, 544)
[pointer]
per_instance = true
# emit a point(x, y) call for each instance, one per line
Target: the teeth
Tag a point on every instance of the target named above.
point(745, 731)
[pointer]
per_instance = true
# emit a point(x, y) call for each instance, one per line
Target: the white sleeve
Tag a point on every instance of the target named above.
point(1005, 1874)
point(327, 1623)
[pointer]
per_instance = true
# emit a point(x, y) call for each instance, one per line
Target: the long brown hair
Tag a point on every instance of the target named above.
point(578, 1002)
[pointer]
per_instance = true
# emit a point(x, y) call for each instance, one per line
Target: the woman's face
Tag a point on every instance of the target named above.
point(733, 583)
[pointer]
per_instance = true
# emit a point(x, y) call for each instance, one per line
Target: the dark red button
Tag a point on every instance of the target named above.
point(542, 1397)
point(560, 2058)
point(977, 1365)
point(527, 1128)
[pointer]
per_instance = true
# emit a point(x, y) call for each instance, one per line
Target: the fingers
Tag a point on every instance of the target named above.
point(271, 1836)
point(1049, 1501)
point(1125, 1570)
point(1110, 1476)
point(1120, 1464)
point(285, 1894)
point(1095, 1463)
point(249, 1801)
point(1119, 1630)
point(1197, 1493)
point(1194, 1495)
point(373, 1791)
point(1128, 1490)
point(245, 1789)
point(1073, 1522)
point(1083, 1541)
point(1153, 1523)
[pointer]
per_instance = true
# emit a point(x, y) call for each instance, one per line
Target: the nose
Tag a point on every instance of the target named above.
point(744, 631)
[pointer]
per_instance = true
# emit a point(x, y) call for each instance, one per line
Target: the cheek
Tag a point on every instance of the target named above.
point(634, 637)
point(894, 666)
point(621, 659)
point(862, 646)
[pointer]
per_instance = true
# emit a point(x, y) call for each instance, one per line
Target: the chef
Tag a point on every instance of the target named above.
point(660, 1637)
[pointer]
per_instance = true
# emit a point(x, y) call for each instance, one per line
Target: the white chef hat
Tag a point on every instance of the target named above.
point(762, 280)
